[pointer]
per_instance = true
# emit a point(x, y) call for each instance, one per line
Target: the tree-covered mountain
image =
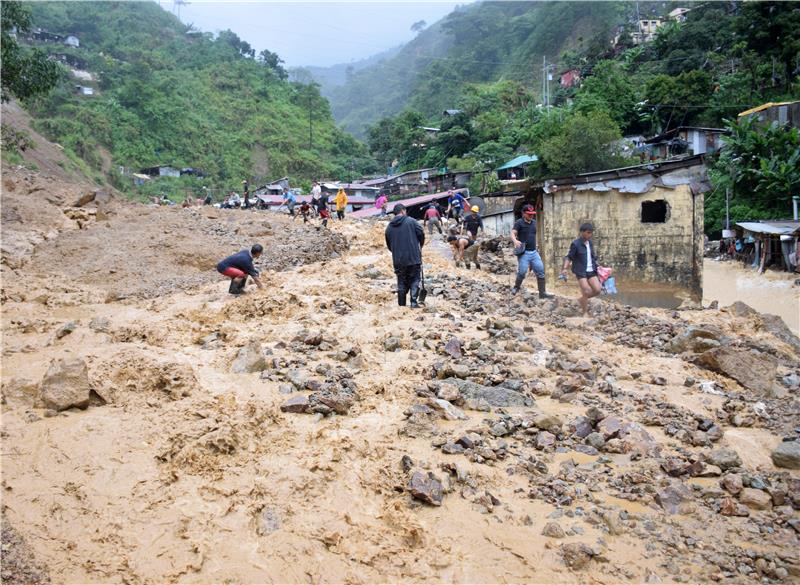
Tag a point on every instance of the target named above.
point(476, 43)
point(167, 94)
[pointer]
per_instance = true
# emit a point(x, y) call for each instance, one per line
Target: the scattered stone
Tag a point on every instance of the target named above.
point(547, 422)
point(755, 499)
point(426, 488)
point(100, 324)
point(449, 411)
point(609, 427)
point(406, 463)
point(268, 522)
point(391, 344)
point(658, 380)
point(732, 483)
point(296, 404)
point(576, 555)
point(66, 329)
point(724, 458)
point(449, 392)
point(582, 427)
point(675, 499)
point(499, 429)
point(730, 507)
point(553, 530)
point(696, 339)
point(454, 348)
point(249, 359)
point(66, 385)
point(595, 440)
point(787, 455)
point(492, 395)
point(452, 448)
point(19, 393)
point(545, 440)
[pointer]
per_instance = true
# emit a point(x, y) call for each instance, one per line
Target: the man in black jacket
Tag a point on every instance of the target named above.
point(404, 238)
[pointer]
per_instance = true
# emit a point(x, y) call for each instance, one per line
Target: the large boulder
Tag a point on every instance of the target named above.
point(779, 329)
point(753, 371)
point(493, 395)
point(250, 359)
point(66, 385)
point(787, 455)
point(696, 339)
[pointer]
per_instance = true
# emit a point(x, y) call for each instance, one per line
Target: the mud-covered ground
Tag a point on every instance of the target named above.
point(316, 432)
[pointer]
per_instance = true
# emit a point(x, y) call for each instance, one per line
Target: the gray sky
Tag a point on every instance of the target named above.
point(315, 33)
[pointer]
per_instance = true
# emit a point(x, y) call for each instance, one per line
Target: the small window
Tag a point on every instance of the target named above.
point(655, 211)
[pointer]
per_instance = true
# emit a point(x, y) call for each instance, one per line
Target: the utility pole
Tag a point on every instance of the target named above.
point(544, 73)
point(310, 129)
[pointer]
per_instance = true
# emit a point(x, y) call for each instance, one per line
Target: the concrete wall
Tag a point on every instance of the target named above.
point(669, 252)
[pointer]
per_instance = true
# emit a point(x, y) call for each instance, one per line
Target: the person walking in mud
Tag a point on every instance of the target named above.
point(341, 203)
point(405, 238)
point(433, 219)
point(239, 266)
point(523, 236)
point(583, 259)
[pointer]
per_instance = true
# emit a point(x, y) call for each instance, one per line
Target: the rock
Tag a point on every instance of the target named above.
point(297, 379)
point(779, 329)
point(406, 463)
point(449, 392)
point(547, 422)
point(295, 404)
point(545, 439)
point(696, 339)
point(658, 380)
point(100, 324)
point(753, 371)
point(19, 393)
point(710, 471)
point(371, 273)
point(460, 371)
point(755, 499)
point(449, 411)
point(249, 359)
point(391, 344)
point(576, 555)
point(732, 483)
point(595, 440)
point(66, 329)
point(331, 398)
point(269, 521)
point(675, 499)
point(470, 440)
point(499, 429)
point(740, 309)
point(452, 448)
point(454, 348)
point(787, 455)
point(724, 458)
point(285, 388)
point(730, 507)
point(581, 427)
point(553, 530)
point(66, 385)
point(674, 466)
point(426, 488)
point(609, 427)
point(492, 395)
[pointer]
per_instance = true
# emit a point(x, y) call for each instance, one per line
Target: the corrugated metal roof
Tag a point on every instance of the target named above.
point(519, 161)
point(778, 228)
point(407, 202)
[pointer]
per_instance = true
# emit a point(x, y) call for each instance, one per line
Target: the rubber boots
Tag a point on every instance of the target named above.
point(542, 293)
point(517, 284)
point(414, 295)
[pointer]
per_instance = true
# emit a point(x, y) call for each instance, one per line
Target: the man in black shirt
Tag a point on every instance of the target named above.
point(238, 266)
point(523, 235)
point(473, 222)
point(404, 238)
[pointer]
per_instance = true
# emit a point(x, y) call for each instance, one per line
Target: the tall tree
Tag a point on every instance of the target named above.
point(25, 73)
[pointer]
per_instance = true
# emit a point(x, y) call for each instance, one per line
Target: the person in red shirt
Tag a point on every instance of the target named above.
point(433, 219)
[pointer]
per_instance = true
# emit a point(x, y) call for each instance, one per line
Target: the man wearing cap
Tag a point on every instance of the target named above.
point(404, 238)
point(523, 236)
point(473, 222)
point(584, 265)
point(238, 266)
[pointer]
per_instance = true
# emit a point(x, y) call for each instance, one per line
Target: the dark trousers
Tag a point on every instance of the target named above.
point(408, 278)
point(340, 213)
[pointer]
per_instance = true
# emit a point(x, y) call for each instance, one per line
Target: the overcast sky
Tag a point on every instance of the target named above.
point(315, 33)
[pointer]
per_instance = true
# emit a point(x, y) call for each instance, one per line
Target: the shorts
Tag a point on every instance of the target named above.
point(586, 275)
point(232, 272)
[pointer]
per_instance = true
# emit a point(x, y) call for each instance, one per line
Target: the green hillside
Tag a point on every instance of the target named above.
point(166, 94)
point(478, 43)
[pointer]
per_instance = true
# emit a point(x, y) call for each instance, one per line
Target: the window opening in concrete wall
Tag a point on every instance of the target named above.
point(655, 211)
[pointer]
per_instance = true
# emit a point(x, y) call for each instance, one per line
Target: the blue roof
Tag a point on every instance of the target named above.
point(519, 161)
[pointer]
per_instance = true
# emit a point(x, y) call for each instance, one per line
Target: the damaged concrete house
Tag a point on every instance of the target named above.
point(648, 220)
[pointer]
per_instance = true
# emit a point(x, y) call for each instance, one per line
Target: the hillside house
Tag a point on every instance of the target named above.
point(679, 14)
point(645, 30)
point(274, 188)
point(42, 36)
point(570, 78)
point(781, 112)
point(514, 170)
point(691, 140)
point(450, 180)
point(72, 41)
point(84, 90)
point(415, 181)
point(648, 220)
point(358, 190)
point(448, 113)
point(775, 244)
point(70, 60)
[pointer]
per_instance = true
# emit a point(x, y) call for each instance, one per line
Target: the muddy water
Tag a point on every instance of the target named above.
point(772, 292)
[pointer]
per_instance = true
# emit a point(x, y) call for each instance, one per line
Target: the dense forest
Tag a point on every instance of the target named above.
point(167, 94)
point(723, 59)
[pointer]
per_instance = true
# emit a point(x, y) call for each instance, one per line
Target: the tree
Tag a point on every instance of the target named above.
point(418, 26)
point(582, 145)
point(25, 73)
point(273, 62)
point(611, 90)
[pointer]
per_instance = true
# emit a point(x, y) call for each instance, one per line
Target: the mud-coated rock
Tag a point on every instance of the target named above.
point(779, 329)
point(696, 339)
point(66, 385)
point(730, 507)
point(448, 410)
point(755, 499)
point(787, 455)
point(426, 488)
point(391, 344)
point(249, 359)
point(753, 371)
point(724, 458)
point(581, 427)
point(553, 530)
point(732, 483)
point(595, 440)
point(576, 555)
point(453, 348)
point(66, 329)
point(675, 499)
point(545, 440)
point(492, 395)
point(609, 427)
point(19, 393)
point(547, 422)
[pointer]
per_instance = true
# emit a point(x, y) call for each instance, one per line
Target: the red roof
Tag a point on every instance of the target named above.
point(370, 211)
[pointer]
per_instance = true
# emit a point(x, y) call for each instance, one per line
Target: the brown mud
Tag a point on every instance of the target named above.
point(181, 470)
